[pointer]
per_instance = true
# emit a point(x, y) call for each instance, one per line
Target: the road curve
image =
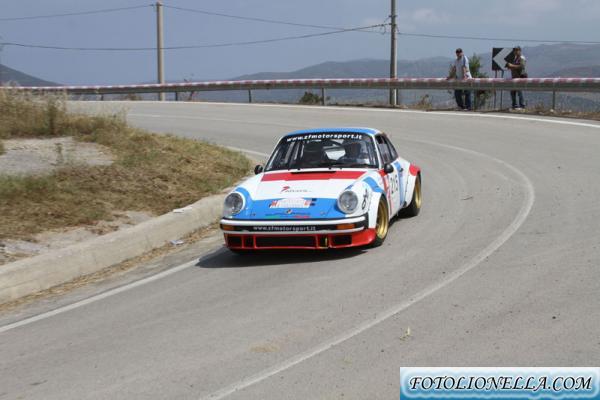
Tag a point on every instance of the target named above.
point(500, 269)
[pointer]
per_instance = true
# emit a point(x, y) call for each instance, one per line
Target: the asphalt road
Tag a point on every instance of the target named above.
point(500, 269)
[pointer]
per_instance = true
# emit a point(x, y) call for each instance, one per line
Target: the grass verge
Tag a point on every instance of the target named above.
point(152, 173)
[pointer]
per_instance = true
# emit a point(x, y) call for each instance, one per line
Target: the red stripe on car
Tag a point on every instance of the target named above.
point(413, 170)
point(312, 176)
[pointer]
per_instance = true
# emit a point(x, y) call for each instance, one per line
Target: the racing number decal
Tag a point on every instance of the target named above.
point(394, 184)
point(394, 195)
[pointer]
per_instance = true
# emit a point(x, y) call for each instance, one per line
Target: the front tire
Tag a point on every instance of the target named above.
point(414, 207)
point(241, 252)
point(382, 225)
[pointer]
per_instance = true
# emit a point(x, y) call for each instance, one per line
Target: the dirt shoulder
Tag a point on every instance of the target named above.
point(118, 169)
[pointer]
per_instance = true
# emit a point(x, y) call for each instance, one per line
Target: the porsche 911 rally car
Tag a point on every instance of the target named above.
point(322, 188)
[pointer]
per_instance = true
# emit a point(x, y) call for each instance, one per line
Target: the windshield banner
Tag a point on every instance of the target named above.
point(317, 136)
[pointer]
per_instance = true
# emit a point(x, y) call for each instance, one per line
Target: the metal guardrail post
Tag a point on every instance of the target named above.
point(176, 96)
point(323, 101)
point(554, 99)
point(249, 95)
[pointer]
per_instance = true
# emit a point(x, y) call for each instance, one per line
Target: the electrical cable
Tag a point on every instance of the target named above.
point(514, 40)
point(205, 46)
point(106, 10)
point(256, 19)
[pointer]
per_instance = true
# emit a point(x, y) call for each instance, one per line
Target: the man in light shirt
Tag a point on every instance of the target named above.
point(460, 70)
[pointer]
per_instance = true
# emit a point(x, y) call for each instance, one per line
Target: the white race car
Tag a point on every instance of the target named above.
point(322, 188)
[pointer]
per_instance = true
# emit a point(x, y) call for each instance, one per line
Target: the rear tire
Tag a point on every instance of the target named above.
point(382, 225)
point(414, 207)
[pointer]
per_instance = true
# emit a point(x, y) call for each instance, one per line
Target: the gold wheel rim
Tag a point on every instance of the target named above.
point(382, 221)
point(418, 193)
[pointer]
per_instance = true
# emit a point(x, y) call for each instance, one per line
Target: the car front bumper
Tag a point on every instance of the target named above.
point(296, 234)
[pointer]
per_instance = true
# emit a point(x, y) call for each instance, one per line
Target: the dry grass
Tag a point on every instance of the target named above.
point(150, 173)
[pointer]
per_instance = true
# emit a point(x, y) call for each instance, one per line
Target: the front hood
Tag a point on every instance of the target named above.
point(298, 195)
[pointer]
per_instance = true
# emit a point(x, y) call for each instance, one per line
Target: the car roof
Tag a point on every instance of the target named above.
point(368, 131)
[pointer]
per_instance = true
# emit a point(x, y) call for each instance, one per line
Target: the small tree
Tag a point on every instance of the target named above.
point(310, 98)
point(481, 96)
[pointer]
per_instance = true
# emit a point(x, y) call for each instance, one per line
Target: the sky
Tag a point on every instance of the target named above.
point(522, 19)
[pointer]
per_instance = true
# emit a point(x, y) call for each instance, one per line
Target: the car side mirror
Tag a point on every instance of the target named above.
point(258, 169)
point(388, 168)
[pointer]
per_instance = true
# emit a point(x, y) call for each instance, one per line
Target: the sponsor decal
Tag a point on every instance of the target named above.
point(500, 383)
point(291, 203)
point(284, 228)
point(288, 189)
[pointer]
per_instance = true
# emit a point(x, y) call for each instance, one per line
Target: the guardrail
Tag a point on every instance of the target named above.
point(553, 85)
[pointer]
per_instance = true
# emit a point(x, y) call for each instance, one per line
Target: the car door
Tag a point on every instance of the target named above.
point(398, 164)
point(392, 179)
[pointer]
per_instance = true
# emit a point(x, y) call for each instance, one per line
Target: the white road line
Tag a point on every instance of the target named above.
point(256, 153)
point(390, 312)
point(209, 119)
point(97, 297)
point(549, 120)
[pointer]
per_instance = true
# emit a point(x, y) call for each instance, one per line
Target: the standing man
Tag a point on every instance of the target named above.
point(460, 70)
point(517, 70)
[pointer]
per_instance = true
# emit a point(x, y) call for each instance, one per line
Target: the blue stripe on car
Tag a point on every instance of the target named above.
point(371, 182)
point(367, 131)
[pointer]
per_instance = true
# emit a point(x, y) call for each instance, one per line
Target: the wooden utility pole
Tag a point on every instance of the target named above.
point(159, 47)
point(393, 55)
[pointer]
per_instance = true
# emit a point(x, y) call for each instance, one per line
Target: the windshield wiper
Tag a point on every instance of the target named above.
point(349, 165)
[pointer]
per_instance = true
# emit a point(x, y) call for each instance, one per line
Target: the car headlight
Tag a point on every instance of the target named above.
point(234, 203)
point(348, 201)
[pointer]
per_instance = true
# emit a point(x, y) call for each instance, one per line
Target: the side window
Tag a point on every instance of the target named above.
point(383, 149)
point(393, 152)
point(283, 156)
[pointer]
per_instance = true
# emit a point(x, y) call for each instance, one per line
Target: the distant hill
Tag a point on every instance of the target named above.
point(578, 72)
point(364, 68)
point(9, 75)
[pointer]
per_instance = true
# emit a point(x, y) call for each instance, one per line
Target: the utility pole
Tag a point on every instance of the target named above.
point(1, 66)
point(393, 56)
point(159, 47)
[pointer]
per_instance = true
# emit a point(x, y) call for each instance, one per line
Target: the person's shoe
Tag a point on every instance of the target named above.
point(517, 108)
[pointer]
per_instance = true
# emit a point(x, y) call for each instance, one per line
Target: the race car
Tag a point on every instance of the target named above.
point(320, 189)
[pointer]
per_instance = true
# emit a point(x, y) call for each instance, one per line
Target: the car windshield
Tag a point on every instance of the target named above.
point(324, 150)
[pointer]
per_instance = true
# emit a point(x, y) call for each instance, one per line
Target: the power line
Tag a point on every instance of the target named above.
point(106, 10)
point(201, 46)
point(256, 19)
point(514, 40)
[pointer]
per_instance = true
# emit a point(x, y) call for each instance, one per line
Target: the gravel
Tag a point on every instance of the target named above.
point(42, 156)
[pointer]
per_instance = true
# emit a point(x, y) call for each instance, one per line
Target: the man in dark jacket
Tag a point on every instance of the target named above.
point(517, 70)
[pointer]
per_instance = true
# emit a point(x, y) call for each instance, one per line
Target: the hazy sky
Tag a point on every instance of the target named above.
point(525, 19)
